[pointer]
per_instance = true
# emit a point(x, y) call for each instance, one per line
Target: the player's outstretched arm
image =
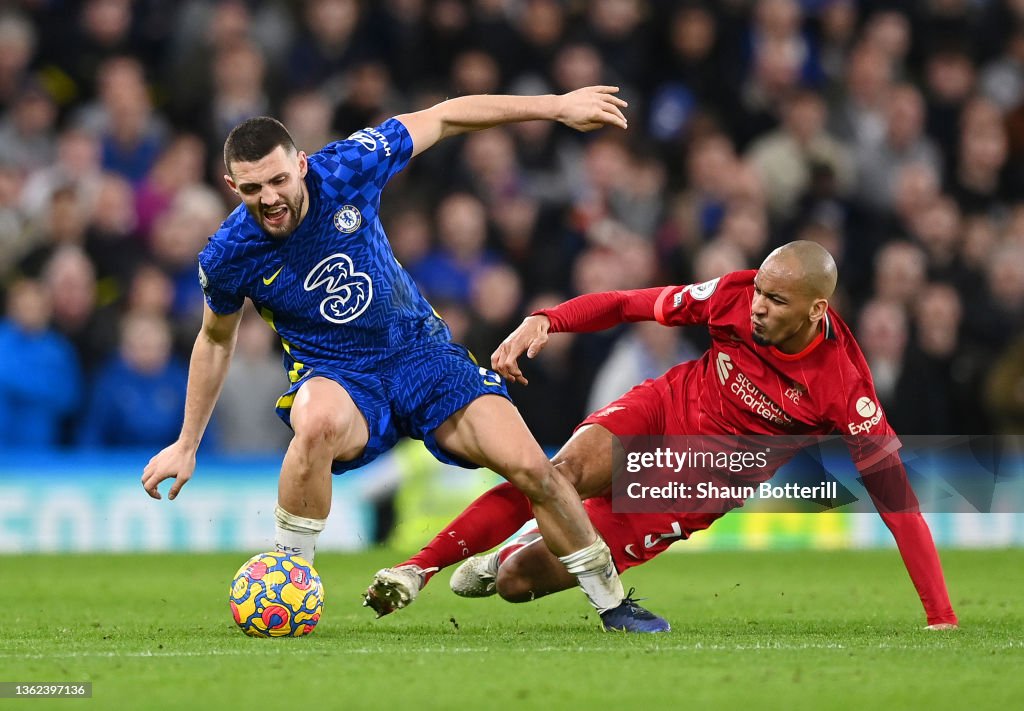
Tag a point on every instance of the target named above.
point(583, 314)
point(585, 109)
point(208, 368)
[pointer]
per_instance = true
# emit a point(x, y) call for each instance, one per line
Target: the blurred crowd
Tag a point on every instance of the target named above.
point(889, 132)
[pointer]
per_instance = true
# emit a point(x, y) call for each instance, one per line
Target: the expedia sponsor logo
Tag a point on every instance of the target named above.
point(871, 413)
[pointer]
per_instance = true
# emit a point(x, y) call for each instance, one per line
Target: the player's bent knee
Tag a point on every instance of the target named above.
point(329, 431)
point(513, 586)
point(536, 479)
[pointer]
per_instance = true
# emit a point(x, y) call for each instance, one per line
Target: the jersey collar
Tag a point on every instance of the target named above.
point(825, 332)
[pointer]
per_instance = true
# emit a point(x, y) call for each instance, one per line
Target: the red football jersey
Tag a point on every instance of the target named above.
point(740, 387)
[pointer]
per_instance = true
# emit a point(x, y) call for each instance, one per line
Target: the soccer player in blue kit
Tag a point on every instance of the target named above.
point(368, 359)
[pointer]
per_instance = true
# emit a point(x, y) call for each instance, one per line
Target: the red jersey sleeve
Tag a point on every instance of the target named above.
point(693, 304)
point(890, 491)
point(874, 448)
point(596, 312)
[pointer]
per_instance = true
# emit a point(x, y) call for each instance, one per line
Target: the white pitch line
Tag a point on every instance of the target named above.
point(697, 647)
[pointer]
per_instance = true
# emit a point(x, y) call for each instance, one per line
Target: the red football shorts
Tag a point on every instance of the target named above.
point(636, 538)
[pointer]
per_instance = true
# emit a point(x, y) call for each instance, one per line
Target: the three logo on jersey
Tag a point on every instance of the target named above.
point(349, 291)
point(748, 393)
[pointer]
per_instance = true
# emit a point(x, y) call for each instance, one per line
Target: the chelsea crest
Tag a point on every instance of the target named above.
point(348, 219)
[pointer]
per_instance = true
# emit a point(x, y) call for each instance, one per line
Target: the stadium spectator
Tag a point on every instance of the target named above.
point(78, 165)
point(130, 132)
point(447, 271)
point(111, 239)
point(329, 42)
point(857, 117)
point(14, 234)
point(27, 129)
point(495, 296)
point(786, 157)
point(138, 395)
point(904, 143)
point(245, 414)
point(40, 381)
point(17, 47)
point(91, 327)
point(182, 164)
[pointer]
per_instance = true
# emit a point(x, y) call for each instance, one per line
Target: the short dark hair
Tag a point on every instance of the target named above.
point(254, 138)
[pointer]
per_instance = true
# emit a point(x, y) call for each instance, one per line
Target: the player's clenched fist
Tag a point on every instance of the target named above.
point(530, 337)
point(174, 462)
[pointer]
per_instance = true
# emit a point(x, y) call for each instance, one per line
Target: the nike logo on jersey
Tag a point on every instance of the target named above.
point(267, 281)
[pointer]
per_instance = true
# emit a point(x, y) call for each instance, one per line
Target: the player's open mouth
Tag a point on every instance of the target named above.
point(276, 215)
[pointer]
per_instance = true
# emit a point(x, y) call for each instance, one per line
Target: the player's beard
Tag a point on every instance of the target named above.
point(293, 211)
point(759, 338)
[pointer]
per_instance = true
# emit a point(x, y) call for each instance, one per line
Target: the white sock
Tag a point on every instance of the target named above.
point(594, 568)
point(296, 534)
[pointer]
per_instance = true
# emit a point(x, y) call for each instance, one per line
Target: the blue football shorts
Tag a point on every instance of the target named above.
point(409, 395)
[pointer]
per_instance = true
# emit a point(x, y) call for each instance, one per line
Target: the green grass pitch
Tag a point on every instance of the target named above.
point(789, 629)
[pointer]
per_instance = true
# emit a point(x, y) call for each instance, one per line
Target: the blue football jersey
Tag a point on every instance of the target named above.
point(333, 289)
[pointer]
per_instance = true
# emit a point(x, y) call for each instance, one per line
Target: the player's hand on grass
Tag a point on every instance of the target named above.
point(174, 462)
point(591, 108)
point(530, 337)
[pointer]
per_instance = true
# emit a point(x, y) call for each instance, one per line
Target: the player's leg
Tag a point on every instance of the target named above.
point(495, 515)
point(328, 426)
point(501, 511)
point(490, 432)
point(522, 571)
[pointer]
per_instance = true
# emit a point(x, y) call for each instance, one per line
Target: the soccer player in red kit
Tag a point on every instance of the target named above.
point(781, 362)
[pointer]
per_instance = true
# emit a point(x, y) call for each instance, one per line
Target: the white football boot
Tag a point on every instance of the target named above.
point(394, 588)
point(478, 576)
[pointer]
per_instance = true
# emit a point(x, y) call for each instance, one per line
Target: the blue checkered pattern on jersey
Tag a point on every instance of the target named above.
point(333, 289)
point(336, 295)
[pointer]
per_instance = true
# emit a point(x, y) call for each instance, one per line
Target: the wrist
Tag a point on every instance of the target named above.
point(189, 444)
point(556, 105)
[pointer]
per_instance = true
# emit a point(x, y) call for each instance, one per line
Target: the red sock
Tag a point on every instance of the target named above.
point(485, 523)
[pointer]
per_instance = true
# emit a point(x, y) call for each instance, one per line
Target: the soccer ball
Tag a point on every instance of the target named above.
point(276, 595)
